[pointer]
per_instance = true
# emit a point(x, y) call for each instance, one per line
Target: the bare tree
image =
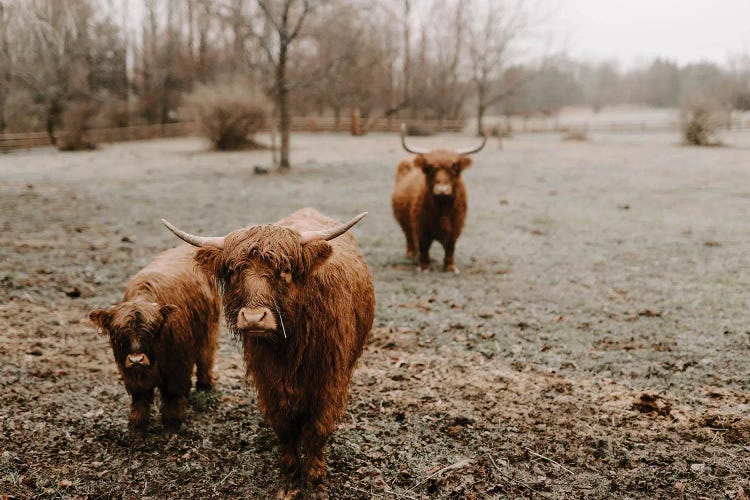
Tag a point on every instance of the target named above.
point(5, 62)
point(284, 21)
point(444, 87)
point(53, 55)
point(498, 25)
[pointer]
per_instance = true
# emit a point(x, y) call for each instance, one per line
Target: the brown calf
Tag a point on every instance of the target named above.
point(299, 296)
point(429, 201)
point(167, 322)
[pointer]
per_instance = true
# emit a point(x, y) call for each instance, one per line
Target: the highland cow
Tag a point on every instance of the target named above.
point(299, 297)
point(429, 201)
point(167, 322)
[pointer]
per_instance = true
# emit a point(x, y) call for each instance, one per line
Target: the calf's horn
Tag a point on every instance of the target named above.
point(198, 241)
point(330, 233)
point(416, 151)
point(464, 152)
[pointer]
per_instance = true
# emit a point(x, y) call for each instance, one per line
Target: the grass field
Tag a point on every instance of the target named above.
point(594, 345)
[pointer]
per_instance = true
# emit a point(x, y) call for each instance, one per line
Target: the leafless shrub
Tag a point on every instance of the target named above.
point(22, 114)
point(112, 112)
point(579, 135)
point(76, 121)
point(701, 119)
point(418, 131)
point(501, 131)
point(229, 114)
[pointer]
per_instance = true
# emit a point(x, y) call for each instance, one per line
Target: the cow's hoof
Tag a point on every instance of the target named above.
point(421, 269)
point(139, 432)
point(317, 492)
point(453, 269)
point(287, 493)
point(172, 426)
point(204, 387)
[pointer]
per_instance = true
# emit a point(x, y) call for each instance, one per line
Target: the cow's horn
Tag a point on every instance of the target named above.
point(464, 152)
point(198, 241)
point(330, 233)
point(416, 151)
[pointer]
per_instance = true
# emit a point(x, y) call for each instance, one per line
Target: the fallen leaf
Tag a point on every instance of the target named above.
point(650, 313)
point(649, 402)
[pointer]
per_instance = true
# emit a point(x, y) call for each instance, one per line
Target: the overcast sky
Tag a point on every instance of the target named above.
point(636, 30)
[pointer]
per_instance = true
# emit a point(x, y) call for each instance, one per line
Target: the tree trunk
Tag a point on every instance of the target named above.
point(407, 52)
point(50, 127)
point(336, 119)
point(283, 96)
point(2, 113)
point(481, 108)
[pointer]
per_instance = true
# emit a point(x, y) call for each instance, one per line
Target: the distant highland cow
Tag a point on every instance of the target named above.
point(429, 200)
point(167, 322)
point(300, 298)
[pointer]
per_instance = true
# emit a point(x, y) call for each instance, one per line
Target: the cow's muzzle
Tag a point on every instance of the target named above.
point(137, 360)
point(442, 190)
point(256, 320)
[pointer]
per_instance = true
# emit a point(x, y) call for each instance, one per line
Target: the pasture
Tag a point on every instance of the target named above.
point(594, 345)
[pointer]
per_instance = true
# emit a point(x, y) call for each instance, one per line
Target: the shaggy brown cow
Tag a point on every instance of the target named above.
point(299, 296)
point(429, 200)
point(167, 322)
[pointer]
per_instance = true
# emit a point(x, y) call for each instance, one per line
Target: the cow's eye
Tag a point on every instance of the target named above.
point(286, 274)
point(231, 275)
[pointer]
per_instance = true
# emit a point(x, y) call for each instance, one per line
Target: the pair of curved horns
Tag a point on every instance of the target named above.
point(420, 151)
point(307, 236)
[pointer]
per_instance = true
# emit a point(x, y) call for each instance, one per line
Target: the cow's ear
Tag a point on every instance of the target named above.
point(167, 310)
point(421, 162)
point(463, 163)
point(101, 318)
point(314, 254)
point(208, 259)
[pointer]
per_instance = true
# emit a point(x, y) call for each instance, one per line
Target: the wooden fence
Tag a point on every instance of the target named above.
point(542, 125)
point(100, 135)
point(299, 124)
point(330, 124)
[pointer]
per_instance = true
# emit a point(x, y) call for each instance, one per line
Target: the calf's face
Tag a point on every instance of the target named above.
point(134, 330)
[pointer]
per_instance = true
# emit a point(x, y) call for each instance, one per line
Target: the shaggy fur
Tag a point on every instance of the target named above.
point(170, 314)
point(429, 202)
point(323, 302)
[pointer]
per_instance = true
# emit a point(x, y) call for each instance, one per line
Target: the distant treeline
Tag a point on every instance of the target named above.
point(660, 83)
point(127, 62)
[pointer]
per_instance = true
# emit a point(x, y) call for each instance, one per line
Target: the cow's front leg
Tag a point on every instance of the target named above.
point(424, 253)
point(289, 442)
point(314, 439)
point(448, 263)
point(174, 394)
point(140, 408)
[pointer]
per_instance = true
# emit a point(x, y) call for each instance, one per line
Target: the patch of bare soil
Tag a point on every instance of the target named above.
point(585, 351)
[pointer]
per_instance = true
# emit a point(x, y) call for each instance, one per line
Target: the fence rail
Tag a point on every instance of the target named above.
point(30, 140)
point(542, 125)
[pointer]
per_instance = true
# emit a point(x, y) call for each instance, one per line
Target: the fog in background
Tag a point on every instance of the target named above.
point(80, 64)
point(636, 31)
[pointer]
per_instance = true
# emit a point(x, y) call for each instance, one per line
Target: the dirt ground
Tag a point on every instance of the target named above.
point(595, 344)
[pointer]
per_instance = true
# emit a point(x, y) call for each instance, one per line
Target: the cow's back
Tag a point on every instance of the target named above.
point(342, 286)
point(173, 278)
point(410, 186)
